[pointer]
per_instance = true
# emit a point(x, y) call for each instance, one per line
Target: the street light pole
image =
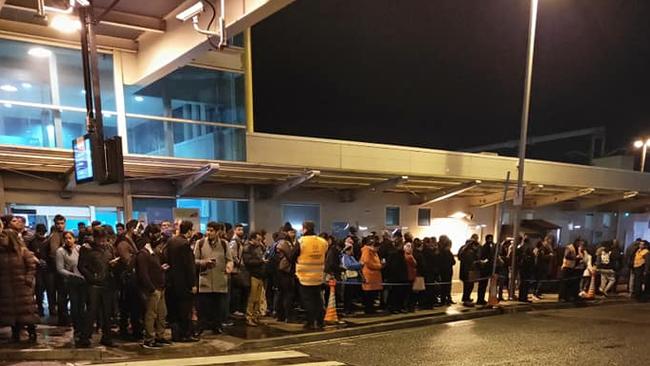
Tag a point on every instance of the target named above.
point(525, 112)
point(642, 144)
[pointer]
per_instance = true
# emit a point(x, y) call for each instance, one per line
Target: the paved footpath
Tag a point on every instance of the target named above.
point(54, 342)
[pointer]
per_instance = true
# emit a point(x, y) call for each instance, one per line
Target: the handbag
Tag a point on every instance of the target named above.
point(351, 274)
point(418, 284)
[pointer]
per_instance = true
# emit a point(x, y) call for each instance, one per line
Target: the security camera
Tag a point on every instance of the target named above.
point(190, 12)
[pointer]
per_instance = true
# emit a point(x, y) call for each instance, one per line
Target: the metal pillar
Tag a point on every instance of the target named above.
point(525, 112)
point(248, 80)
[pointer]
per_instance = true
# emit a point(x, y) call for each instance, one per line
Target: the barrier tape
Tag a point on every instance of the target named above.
point(445, 283)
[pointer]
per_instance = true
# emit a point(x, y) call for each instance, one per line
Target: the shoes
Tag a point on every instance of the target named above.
point(32, 337)
point(163, 341)
point(481, 303)
point(238, 314)
point(189, 340)
point(151, 345)
point(468, 304)
point(308, 326)
point(228, 323)
point(107, 342)
point(217, 331)
point(82, 343)
point(250, 323)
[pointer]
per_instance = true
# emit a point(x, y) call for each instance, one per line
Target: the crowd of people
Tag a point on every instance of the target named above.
point(142, 278)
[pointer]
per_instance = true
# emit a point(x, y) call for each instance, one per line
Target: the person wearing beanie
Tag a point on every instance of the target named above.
point(352, 275)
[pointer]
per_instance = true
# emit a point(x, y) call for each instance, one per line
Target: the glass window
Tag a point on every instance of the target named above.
point(185, 140)
point(29, 126)
point(229, 211)
point(424, 217)
point(296, 214)
point(50, 75)
point(191, 93)
point(392, 216)
point(237, 40)
point(155, 210)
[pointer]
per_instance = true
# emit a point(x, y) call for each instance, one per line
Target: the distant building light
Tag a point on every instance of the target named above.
point(138, 98)
point(39, 52)
point(65, 24)
point(26, 85)
point(9, 88)
point(7, 105)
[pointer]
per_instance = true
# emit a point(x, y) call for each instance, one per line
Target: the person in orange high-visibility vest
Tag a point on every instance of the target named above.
point(310, 266)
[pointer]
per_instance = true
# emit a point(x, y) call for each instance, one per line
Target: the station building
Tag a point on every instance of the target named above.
point(185, 115)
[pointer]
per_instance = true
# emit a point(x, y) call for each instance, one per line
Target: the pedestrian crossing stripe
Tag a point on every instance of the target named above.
point(217, 360)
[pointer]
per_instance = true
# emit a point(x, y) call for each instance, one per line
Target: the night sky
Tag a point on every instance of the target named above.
point(449, 73)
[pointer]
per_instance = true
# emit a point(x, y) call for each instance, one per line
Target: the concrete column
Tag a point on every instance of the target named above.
point(3, 199)
point(251, 207)
point(248, 80)
point(128, 201)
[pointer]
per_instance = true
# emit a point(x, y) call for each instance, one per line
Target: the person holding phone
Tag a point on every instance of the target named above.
point(214, 263)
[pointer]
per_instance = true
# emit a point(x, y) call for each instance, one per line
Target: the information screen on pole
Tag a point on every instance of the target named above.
point(83, 159)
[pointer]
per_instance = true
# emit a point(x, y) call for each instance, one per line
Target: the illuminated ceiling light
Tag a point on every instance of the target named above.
point(647, 143)
point(638, 144)
point(8, 88)
point(458, 215)
point(83, 91)
point(65, 24)
point(39, 52)
point(138, 98)
point(26, 85)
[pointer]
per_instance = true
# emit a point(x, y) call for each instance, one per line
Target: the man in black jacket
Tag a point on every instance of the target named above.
point(253, 257)
point(486, 261)
point(469, 258)
point(182, 283)
point(131, 307)
point(151, 283)
point(95, 262)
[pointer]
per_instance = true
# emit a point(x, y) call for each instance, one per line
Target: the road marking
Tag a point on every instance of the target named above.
point(216, 360)
point(322, 363)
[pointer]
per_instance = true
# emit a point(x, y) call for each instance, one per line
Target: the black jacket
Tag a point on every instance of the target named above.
point(333, 261)
point(94, 264)
point(182, 272)
point(447, 263)
point(150, 275)
point(253, 256)
point(396, 271)
point(469, 256)
point(487, 252)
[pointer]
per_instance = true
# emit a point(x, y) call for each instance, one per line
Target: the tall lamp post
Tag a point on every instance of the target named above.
point(643, 145)
point(525, 112)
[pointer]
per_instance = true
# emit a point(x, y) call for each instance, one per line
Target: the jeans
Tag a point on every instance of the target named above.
point(569, 284)
point(39, 290)
point(238, 298)
point(369, 298)
point(313, 304)
point(78, 292)
point(100, 299)
point(255, 297)
point(397, 296)
point(468, 287)
point(287, 293)
point(607, 280)
point(639, 279)
point(482, 287)
point(180, 313)
point(131, 307)
point(154, 317)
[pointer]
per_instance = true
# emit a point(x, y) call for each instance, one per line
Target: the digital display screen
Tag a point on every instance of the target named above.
point(83, 159)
